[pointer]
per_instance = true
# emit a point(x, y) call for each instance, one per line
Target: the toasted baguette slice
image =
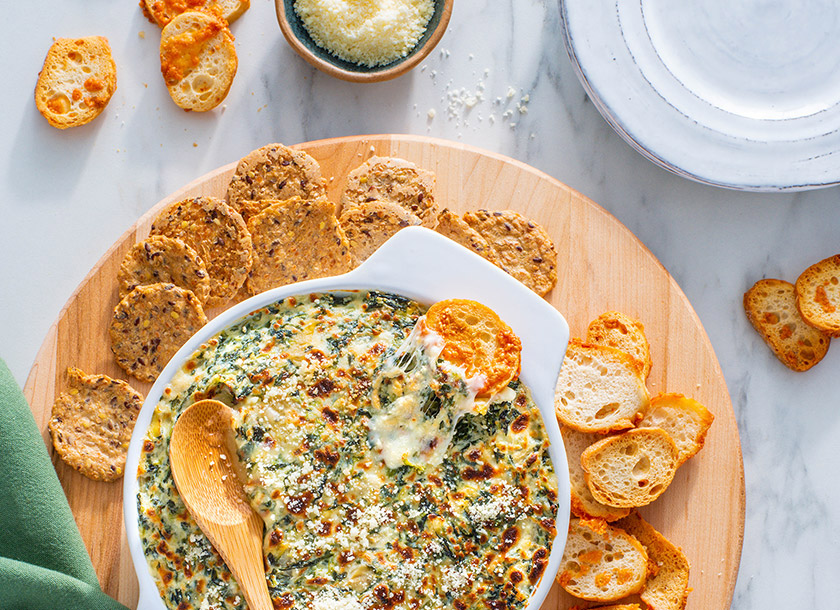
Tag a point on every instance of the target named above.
point(771, 307)
point(601, 563)
point(477, 339)
point(198, 60)
point(620, 331)
point(77, 81)
point(667, 585)
point(630, 469)
point(162, 12)
point(600, 389)
point(583, 503)
point(818, 295)
point(684, 419)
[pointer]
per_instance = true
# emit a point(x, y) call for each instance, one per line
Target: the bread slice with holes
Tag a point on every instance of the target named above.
point(818, 295)
point(77, 81)
point(684, 419)
point(601, 563)
point(667, 585)
point(771, 307)
point(198, 60)
point(620, 331)
point(630, 469)
point(600, 389)
point(583, 503)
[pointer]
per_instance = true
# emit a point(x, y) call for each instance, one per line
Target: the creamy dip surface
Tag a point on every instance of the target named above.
point(382, 482)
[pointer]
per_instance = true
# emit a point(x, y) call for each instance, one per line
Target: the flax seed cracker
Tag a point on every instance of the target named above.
point(218, 235)
point(371, 224)
point(273, 173)
point(161, 259)
point(456, 228)
point(91, 424)
point(150, 324)
point(524, 249)
point(296, 240)
point(395, 180)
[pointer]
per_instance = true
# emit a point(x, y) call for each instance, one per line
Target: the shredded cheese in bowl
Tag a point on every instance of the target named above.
point(366, 32)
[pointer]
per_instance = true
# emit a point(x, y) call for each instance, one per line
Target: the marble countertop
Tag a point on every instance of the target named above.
point(501, 80)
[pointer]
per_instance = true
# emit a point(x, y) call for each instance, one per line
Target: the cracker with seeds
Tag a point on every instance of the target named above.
point(524, 249)
point(273, 173)
point(91, 424)
point(150, 324)
point(395, 180)
point(371, 224)
point(294, 240)
point(161, 259)
point(218, 235)
point(450, 225)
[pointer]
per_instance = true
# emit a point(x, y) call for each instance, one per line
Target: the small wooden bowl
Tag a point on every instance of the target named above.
point(297, 36)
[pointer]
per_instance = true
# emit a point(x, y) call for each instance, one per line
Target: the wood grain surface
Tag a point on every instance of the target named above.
point(601, 266)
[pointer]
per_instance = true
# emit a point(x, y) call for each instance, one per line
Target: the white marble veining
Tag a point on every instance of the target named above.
point(67, 196)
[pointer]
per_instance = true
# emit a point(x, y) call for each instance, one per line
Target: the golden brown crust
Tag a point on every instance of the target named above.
point(77, 81)
point(685, 419)
point(601, 562)
point(630, 469)
point(523, 248)
point(667, 585)
point(371, 224)
point(771, 307)
point(456, 228)
point(478, 340)
point(818, 295)
point(394, 180)
point(218, 235)
point(620, 331)
point(273, 173)
point(161, 259)
point(599, 389)
point(583, 503)
point(91, 424)
point(296, 240)
point(198, 60)
point(150, 324)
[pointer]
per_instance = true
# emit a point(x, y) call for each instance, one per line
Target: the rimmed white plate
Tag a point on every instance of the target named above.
point(743, 94)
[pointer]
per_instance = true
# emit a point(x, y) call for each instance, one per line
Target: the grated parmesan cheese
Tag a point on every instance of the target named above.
point(366, 32)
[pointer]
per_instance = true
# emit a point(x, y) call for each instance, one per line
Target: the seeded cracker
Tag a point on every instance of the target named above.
point(163, 259)
point(297, 240)
point(218, 235)
point(371, 224)
point(149, 326)
point(524, 249)
point(455, 228)
point(394, 180)
point(91, 424)
point(273, 173)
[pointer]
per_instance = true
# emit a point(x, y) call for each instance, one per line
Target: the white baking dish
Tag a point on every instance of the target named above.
point(422, 265)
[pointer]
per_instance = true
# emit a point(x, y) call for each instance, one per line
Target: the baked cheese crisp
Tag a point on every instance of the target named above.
point(382, 481)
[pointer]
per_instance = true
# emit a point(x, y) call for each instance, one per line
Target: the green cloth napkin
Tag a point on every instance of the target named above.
point(43, 561)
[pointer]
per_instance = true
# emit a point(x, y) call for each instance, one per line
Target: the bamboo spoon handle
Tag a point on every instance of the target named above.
point(202, 461)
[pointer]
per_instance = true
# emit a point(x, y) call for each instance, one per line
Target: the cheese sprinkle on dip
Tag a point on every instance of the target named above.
point(383, 483)
point(366, 32)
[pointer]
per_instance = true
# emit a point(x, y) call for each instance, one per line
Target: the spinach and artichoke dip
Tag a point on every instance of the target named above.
point(382, 482)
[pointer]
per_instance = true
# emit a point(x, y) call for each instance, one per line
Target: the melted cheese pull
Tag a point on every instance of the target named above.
point(418, 399)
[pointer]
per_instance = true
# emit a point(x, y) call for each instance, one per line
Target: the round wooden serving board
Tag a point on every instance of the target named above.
point(601, 266)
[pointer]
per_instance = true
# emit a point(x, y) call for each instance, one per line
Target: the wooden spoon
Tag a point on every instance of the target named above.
point(202, 460)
